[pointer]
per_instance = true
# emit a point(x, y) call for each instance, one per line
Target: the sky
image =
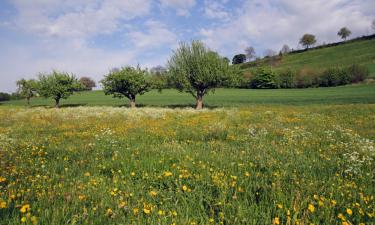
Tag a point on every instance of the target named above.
point(90, 37)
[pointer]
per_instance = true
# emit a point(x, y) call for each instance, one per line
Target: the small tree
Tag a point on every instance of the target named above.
point(57, 85)
point(285, 49)
point(238, 59)
point(87, 83)
point(264, 78)
point(344, 33)
point(197, 70)
point(250, 53)
point(126, 82)
point(307, 40)
point(27, 89)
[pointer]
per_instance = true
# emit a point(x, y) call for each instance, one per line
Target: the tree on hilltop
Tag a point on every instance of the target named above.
point(307, 40)
point(344, 33)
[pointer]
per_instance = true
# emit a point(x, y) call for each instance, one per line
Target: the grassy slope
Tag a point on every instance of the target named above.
point(227, 97)
point(361, 52)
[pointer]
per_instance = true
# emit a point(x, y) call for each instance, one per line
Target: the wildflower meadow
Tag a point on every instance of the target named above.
point(246, 165)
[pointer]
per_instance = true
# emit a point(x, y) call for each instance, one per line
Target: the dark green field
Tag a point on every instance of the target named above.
point(360, 52)
point(225, 97)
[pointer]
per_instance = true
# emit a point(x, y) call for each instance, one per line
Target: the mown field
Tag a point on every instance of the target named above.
point(361, 52)
point(222, 98)
point(274, 164)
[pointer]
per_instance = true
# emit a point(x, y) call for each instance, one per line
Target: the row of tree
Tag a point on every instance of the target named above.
point(307, 40)
point(193, 68)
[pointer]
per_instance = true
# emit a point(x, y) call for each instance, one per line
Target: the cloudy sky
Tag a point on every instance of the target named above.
point(89, 37)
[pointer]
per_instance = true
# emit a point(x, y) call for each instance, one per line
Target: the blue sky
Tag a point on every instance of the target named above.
point(89, 37)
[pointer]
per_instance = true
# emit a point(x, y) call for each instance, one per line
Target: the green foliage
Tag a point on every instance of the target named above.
point(4, 97)
point(126, 82)
point(238, 59)
point(57, 85)
point(358, 73)
point(264, 78)
point(27, 89)
point(307, 40)
point(286, 79)
point(197, 70)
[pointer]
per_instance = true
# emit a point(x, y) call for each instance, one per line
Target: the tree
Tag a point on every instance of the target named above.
point(27, 89)
point(58, 85)
point(197, 70)
point(285, 49)
point(344, 33)
point(87, 83)
point(126, 82)
point(250, 53)
point(264, 78)
point(238, 59)
point(307, 40)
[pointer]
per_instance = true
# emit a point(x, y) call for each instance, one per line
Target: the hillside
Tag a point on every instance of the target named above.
point(361, 52)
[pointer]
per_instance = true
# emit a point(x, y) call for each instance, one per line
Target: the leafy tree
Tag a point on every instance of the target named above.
point(27, 89)
point(264, 78)
point(238, 59)
point(344, 33)
point(57, 85)
point(126, 82)
point(197, 70)
point(159, 78)
point(4, 96)
point(285, 49)
point(307, 40)
point(87, 83)
point(250, 53)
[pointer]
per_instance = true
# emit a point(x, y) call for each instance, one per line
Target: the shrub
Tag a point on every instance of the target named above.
point(264, 78)
point(306, 78)
point(4, 96)
point(330, 77)
point(286, 79)
point(357, 73)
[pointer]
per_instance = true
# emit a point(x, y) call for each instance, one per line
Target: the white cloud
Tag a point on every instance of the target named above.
point(181, 6)
point(269, 24)
point(214, 9)
point(77, 19)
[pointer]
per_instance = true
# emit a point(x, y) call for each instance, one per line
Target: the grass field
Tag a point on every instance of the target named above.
point(224, 97)
point(360, 52)
point(311, 164)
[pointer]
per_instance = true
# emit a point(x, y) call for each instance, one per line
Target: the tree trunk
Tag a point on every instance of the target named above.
point(199, 102)
point(57, 105)
point(28, 101)
point(132, 103)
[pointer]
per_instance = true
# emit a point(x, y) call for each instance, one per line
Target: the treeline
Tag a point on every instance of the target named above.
point(266, 78)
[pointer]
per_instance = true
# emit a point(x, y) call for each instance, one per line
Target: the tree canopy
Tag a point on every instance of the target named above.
point(126, 82)
point(27, 89)
point(307, 40)
point(57, 85)
point(344, 33)
point(197, 70)
point(87, 83)
point(238, 59)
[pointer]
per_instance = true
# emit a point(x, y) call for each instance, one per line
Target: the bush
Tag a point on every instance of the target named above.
point(286, 79)
point(4, 96)
point(357, 73)
point(264, 78)
point(306, 78)
point(331, 77)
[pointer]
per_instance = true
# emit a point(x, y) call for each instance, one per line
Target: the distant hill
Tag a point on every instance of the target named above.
point(360, 51)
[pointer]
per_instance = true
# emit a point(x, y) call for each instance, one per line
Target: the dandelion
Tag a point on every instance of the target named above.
point(167, 174)
point(153, 193)
point(2, 179)
point(135, 211)
point(276, 221)
point(161, 213)
point(147, 208)
point(311, 208)
point(3, 205)
point(109, 212)
point(184, 188)
point(280, 206)
point(349, 212)
point(25, 208)
point(23, 219)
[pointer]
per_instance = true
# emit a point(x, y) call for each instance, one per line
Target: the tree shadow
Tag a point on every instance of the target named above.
point(180, 106)
point(72, 105)
point(128, 106)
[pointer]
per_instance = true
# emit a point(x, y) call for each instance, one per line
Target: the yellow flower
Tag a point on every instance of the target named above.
point(3, 205)
point(34, 220)
point(349, 212)
point(23, 219)
point(321, 203)
point(345, 223)
point(122, 204)
point(135, 211)
point(2, 179)
point(109, 212)
point(247, 174)
point(340, 216)
point(153, 193)
point(311, 208)
point(87, 174)
point(280, 206)
point(161, 213)
point(174, 213)
point(361, 223)
point(333, 202)
point(132, 173)
point(168, 174)
point(184, 188)
point(211, 220)
point(81, 197)
point(276, 220)
point(25, 208)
